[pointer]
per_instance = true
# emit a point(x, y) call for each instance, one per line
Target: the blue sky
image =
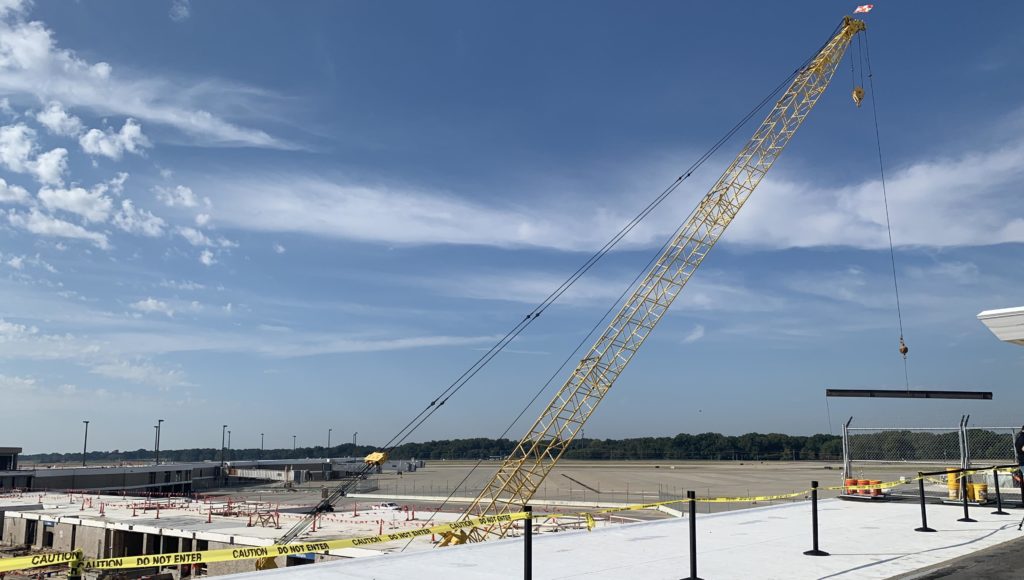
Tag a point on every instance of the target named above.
point(290, 217)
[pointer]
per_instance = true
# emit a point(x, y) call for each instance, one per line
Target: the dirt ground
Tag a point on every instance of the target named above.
point(592, 481)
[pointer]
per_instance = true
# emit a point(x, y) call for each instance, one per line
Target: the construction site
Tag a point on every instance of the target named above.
point(901, 502)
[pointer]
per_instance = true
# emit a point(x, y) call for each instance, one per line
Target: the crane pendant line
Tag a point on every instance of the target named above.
point(522, 472)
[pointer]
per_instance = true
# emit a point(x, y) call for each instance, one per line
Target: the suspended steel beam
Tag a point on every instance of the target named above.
point(908, 394)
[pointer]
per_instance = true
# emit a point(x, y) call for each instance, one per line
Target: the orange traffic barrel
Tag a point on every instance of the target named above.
point(864, 482)
point(876, 491)
point(850, 483)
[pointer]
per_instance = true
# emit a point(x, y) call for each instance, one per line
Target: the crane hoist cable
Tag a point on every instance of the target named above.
point(903, 349)
point(523, 471)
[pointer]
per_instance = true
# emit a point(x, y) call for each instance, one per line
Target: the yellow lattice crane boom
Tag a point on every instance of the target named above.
point(522, 473)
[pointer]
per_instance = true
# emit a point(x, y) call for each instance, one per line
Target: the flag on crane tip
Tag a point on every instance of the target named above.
point(864, 9)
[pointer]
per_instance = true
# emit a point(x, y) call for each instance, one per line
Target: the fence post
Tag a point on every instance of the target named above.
point(999, 496)
point(814, 523)
point(924, 515)
point(528, 543)
point(963, 494)
point(691, 498)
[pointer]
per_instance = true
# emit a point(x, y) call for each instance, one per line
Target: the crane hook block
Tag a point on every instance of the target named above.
point(858, 95)
point(903, 348)
point(376, 458)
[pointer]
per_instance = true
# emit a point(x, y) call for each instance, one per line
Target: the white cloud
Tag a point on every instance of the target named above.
point(17, 146)
point(9, 384)
point(194, 236)
point(151, 305)
point(138, 221)
point(968, 200)
point(116, 183)
point(44, 225)
point(92, 204)
point(11, 330)
point(16, 262)
point(58, 121)
point(10, 193)
point(198, 238)
point(182, 285)
point(32, 63)
point(142, 372)
point(971, 199)
point(279, 249)
point(179, 196)
point(206, 258)
point(180, 10)
point(202, 219)
point(49, 167)
point(696, 334)
point(114, 144)
point(13, 6)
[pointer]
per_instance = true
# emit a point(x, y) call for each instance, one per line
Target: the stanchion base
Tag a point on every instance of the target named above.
point(1000, 513)
point(691, 578)
point(816, 553)
point(967, 520)
point(923, 530)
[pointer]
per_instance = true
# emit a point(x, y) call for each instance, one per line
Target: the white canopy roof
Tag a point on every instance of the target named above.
point(1006, 323)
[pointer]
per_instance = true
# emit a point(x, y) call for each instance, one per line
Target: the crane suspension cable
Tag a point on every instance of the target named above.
point(457, 385)
point(885, 201)
point(654, 257)
point(502, 343)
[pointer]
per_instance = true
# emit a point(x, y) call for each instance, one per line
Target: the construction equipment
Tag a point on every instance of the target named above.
point(521, 474)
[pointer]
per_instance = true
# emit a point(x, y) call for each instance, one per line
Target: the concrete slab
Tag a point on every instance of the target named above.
point(866, 541)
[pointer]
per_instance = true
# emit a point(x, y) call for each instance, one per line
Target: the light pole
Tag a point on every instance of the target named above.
point(223, 430)
point(85, 443)
point(261, 446)
point(293, 442)
point(329, 441)
point(355, 438)
point(159, 424)
point(229, 442)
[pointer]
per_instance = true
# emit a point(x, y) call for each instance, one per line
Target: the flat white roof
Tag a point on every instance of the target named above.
point(866, 540)
point(1006, 323)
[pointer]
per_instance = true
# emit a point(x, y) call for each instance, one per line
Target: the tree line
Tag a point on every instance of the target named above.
point(703, 446)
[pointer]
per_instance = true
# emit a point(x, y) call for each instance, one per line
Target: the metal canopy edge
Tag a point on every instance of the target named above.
point(908, 394)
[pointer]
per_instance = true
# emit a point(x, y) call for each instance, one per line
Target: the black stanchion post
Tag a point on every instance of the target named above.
point(924, 515)
point(814, 522)
point(963, 494)
point(999, 496)
point(691, 497)
point(528, 543)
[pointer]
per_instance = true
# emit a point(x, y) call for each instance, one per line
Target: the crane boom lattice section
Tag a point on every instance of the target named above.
point(521, 474)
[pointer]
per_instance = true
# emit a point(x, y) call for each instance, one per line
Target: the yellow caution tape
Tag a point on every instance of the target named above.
point(37, 561)
point(245, 552)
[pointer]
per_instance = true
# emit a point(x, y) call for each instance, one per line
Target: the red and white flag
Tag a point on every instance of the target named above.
point(864, 9)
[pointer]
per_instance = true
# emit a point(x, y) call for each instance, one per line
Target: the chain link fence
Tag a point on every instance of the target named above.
point(895, 453)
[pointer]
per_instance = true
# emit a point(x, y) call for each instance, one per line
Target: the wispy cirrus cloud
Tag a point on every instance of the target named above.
point(33, 63)
point(966, 200)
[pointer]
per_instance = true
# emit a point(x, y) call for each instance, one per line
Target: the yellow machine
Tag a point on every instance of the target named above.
point(521, 474)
